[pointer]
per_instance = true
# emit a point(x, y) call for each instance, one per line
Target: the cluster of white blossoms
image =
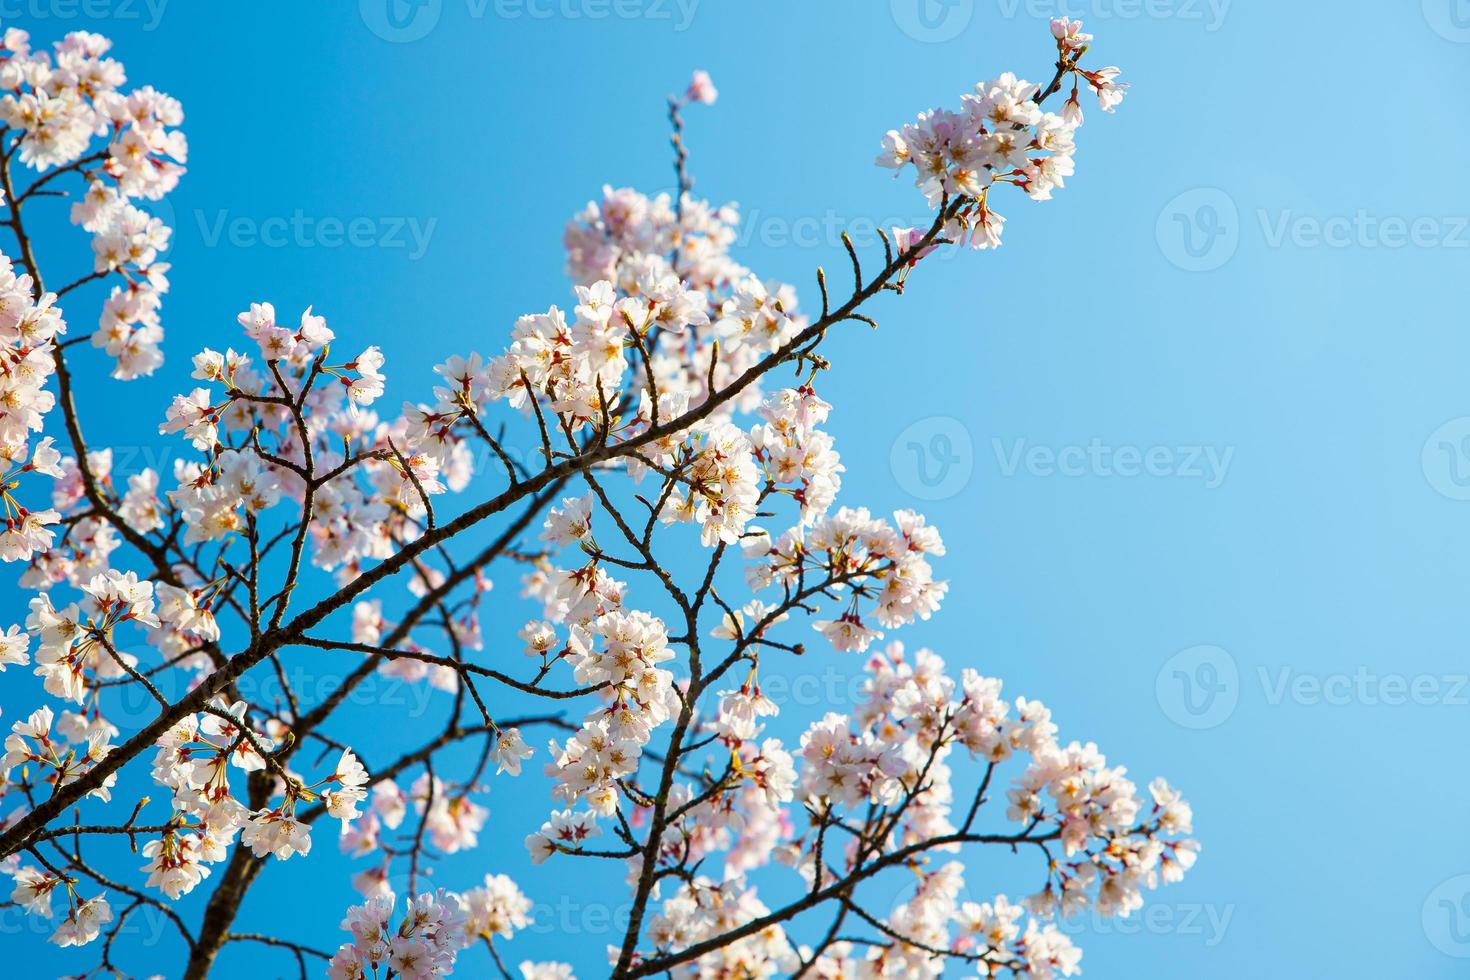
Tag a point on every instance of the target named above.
point(28, 328)
point(59, 103)
point(649, 388)
point(452, 820)
point(703, 909)
point(76, 644)
point(420, 945)
point(868, 557)
point(194, 760)
point(34, 891)
point(619, 652)
point(882, 775)
point(999, 135)
point(61, 749)
point(275, 429)
point(433, 929)
point(701, 319)
point(988, 935)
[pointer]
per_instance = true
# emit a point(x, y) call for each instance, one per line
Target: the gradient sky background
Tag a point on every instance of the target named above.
point(1260, 262)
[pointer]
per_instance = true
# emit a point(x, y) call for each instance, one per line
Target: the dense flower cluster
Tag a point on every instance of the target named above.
point(663, 267)
point(888, 765)
point(59, 102)
point(433, 929)
point(647, 407)
point(60, 749)
point(871, 558)
point(620, 652)
point(420, 945)
point(29, 326)
point(1000, 135)
point(84, 919)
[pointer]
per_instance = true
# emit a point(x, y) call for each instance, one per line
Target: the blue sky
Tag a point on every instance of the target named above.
point(1196, 437)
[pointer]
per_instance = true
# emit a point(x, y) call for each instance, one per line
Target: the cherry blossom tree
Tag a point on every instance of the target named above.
point(679, 388)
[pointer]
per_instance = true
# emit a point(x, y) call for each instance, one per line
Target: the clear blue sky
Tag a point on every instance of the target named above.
point(1238, 299)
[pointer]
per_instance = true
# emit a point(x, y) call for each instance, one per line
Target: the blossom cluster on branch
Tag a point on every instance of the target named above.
point(652, 401)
